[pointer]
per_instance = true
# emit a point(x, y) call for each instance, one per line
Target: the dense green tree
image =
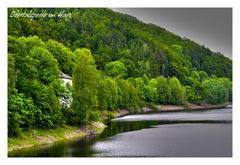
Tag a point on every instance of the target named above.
point(35, 69)
point(228, 85)
point(144, 68)
point(131, 67)
point(115, 68)
point(163, 90)
point(85, 80)
point(128, 96)
point(54, 106)
point(219, 65)
point(195, 76)
point(195, 92)
point(203, 75)
point(139, 84)
point(150, 91)
point(177, 92)
point(63, 55)
point(21, 114)
point(20, 108)
point(192, 78)
point(12, 73)
point(178, 49)
point(107, 94)
point(214, 91)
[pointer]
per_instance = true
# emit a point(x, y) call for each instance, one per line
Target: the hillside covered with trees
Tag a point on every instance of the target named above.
point(116, 62)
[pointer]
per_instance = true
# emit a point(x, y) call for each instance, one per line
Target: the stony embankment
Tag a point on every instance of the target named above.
point(191, 106)
point(173, 108)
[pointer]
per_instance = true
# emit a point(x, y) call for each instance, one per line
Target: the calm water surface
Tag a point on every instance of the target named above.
point(174, 134)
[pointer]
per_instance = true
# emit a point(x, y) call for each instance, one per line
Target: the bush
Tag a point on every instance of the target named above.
point(215, 92)
point(154, 106)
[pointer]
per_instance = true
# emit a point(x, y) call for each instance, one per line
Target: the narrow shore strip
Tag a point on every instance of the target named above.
point(37, 138)
point(173, 108)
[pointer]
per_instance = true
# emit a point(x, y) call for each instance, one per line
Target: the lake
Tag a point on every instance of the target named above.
point(206, 133)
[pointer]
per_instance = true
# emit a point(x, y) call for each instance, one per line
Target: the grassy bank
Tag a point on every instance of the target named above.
point(34, 138)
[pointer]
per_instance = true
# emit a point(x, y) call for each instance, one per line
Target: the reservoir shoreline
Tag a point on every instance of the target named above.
point(173, 108)
point(37, 138)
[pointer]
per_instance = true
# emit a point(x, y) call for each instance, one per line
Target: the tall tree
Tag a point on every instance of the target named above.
point(63, 55)
point(163, 90)
point(177, 92)
point(85, 81)
point(107, 93)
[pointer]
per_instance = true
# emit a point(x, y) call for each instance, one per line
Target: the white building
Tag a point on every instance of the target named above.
point(66, 101)
point(66, 78)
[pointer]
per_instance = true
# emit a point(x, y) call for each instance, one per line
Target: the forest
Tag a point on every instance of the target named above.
point(115, 61)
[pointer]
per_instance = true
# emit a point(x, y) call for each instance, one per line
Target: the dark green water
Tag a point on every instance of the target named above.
point(175, 134)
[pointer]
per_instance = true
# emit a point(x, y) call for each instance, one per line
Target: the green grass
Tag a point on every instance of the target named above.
point(37, 137)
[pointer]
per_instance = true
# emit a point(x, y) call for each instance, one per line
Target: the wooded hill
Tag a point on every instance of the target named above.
point(116, 61)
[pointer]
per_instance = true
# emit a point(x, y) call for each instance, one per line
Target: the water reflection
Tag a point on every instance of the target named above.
point(180, 140)
point(220, 114)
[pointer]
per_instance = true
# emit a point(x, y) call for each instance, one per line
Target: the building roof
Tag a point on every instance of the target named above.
point(64, 76)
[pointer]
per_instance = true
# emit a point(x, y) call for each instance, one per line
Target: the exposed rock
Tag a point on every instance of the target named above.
point(40, 139)
point(51, 137)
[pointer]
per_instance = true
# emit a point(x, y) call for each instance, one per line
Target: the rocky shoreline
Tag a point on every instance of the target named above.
point(173, 108)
